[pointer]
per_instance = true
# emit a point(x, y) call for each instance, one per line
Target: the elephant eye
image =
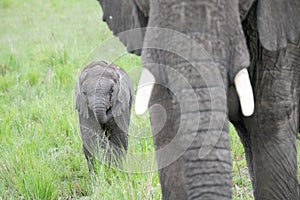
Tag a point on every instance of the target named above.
point(84, 89)
point(111, 90)
point(84, 92)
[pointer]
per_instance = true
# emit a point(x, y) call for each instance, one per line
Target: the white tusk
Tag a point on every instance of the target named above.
point(144, 91)
point(244, 91)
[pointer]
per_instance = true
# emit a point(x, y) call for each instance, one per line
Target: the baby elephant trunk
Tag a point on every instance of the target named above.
point(102, 107)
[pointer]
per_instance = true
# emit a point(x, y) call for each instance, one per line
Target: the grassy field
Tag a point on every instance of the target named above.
point(43, 47)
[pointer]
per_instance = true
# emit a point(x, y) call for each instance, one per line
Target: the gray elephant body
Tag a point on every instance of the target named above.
point(270, 135)
point(103, 100)
point(197, 111)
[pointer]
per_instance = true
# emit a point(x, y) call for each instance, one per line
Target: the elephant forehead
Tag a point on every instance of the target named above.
point(100, 72)
point(206, 16)
point(90, 85)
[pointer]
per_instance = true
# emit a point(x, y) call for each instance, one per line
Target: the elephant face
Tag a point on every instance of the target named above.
point(100, 88)
point(106, 91)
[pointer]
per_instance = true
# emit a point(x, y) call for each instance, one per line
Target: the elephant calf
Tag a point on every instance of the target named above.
point(103, 100)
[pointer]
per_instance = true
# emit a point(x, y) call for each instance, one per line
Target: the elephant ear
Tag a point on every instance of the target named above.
point(244, 7)
point(122, 104)
point(278, 22)
point(81, 98)
point(125, 15)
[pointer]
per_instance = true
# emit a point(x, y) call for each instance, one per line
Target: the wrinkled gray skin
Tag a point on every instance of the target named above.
point(222, 28)
point(270, 135)
point(103, 100)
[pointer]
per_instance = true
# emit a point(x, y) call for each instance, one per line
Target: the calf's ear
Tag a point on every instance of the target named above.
point(81, 101)
point(122, 100)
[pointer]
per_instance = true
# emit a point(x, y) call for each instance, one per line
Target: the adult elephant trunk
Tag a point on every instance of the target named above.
point(192, 148)
point(193, 56)
point(102, 106)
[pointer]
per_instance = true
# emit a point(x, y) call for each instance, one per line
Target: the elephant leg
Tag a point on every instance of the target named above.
point(269, 136)
point(118, 144)
point(273, 142)
point(90, 160)
point(246, 141)
point(235, 117)
point(273, 127)
point(299, 114)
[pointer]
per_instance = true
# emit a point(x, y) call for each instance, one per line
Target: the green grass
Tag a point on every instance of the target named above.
point(43, 47)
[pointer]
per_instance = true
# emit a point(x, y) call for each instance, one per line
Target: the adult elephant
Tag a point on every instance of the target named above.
point(193, 76)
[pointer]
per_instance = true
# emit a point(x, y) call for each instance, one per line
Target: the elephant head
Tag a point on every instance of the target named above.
point(103, 100)
point(193, 51)
point(106, 90)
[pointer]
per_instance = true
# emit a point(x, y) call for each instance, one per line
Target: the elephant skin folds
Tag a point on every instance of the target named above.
point(269, 136)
